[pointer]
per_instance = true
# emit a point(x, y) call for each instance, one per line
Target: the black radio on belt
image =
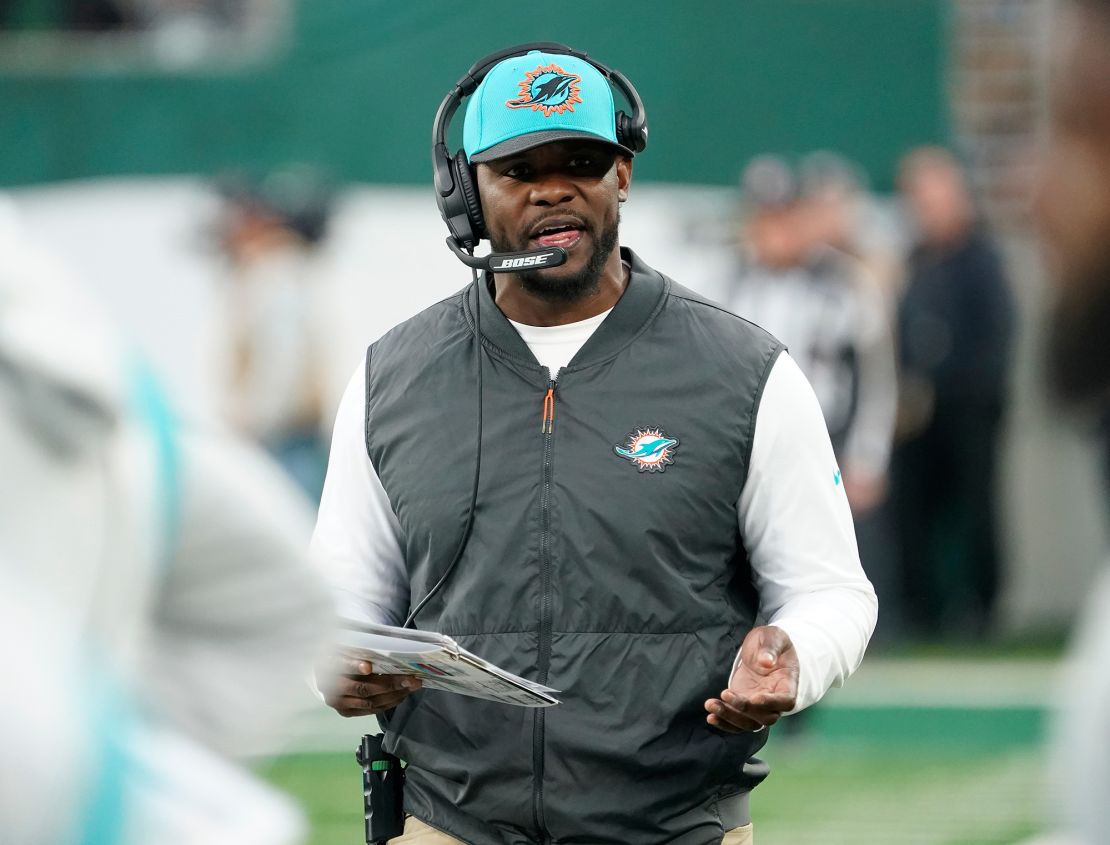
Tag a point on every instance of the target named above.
point(383, 785)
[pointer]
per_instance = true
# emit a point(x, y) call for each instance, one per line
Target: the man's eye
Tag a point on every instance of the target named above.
point(517, 171)
point(589, 165)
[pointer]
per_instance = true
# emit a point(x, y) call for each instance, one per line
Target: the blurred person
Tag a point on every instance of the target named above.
point(840, 212)
point(1073, 213)
point(956, 327)
point(274, 334)
point(171, 560)
point(670, 547)
point(794, 282)
point(84, 763)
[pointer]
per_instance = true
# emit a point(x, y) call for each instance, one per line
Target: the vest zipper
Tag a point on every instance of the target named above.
point(547, 428)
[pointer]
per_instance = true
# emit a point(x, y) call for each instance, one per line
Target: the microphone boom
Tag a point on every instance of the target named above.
point(508, 262)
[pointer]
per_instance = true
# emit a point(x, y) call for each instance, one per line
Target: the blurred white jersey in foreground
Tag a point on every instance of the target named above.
point(158, 611)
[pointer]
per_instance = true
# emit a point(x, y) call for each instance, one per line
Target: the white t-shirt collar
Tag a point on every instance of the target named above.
point(555, 346)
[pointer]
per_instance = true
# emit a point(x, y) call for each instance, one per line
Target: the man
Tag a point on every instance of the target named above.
point(1073, 211)
point(655, 474)
point(272, 233)
point(843, 213)
point(824, 306)
point(956, 325)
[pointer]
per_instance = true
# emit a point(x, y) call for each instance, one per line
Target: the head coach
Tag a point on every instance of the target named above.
point(594, 478)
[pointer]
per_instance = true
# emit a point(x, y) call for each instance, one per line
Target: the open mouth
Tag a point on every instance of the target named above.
point(562, 232)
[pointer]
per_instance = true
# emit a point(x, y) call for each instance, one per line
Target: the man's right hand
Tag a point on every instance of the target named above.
point(351, 688)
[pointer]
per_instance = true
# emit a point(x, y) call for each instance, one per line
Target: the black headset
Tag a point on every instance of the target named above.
point(456, 187)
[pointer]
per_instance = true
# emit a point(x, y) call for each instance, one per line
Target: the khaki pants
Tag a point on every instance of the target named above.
point(418, 833)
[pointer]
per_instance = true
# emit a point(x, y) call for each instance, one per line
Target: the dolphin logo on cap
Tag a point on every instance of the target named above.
point(549, 89)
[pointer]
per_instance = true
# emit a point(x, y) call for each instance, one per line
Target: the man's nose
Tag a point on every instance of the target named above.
point(552, 189)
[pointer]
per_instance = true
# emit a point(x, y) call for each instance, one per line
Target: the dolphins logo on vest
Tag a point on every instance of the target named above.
point(549, 89)
point(650, 449)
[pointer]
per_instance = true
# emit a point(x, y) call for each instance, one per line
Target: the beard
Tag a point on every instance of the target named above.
point(582, 284)
point(1077, 352)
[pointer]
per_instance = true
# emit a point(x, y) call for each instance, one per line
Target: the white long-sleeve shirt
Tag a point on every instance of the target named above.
point(792, 512)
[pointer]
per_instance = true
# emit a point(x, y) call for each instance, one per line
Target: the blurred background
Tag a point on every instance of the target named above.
point(245, 185)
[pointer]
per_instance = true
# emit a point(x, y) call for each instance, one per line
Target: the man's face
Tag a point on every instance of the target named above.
point(777, 236)
point(564, 194)
point(1073, 204)
point(936, 196)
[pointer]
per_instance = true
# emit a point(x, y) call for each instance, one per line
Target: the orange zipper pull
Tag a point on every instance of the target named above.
point(548, 411)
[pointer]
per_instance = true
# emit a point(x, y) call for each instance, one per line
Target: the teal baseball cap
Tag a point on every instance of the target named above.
point(533, 99)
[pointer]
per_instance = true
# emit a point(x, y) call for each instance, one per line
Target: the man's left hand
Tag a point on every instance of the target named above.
point(763, 687)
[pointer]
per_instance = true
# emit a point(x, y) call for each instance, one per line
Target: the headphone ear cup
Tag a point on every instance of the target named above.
point(623, 126)
point(628, 134)
point(465, 184)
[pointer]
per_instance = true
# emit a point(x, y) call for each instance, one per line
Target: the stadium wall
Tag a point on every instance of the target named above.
point(353, 85)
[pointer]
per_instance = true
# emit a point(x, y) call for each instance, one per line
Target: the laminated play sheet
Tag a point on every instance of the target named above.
point(439, 662)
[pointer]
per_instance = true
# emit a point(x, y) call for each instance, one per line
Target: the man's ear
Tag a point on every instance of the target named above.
point(624, 177)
